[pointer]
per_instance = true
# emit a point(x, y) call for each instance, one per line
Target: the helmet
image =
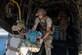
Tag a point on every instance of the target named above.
point(40, 12)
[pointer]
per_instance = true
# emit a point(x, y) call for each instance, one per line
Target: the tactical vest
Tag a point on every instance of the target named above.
point(43, 26)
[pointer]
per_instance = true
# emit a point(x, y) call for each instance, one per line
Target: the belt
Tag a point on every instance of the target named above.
point(13, 49)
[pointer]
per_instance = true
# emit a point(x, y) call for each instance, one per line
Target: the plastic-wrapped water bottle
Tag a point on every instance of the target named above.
point(57, 33)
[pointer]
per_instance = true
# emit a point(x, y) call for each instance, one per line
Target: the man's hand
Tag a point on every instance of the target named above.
point(41, 41)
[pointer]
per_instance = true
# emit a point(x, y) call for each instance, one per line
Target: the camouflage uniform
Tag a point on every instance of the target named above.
point(43, 24)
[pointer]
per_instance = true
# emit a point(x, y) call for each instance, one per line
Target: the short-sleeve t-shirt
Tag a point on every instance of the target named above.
point(48, 21)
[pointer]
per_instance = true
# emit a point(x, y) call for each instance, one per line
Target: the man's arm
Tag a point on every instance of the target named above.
point(48, 31)
point(35, 26)
point(48, 28)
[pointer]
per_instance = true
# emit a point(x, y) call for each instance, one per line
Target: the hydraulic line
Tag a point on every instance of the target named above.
point(20, 20)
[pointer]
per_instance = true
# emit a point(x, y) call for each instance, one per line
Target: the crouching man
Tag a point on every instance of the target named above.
point(45, 24)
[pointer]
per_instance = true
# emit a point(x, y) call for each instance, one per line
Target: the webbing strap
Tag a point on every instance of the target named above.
point(20, 44)
point(13, 49)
